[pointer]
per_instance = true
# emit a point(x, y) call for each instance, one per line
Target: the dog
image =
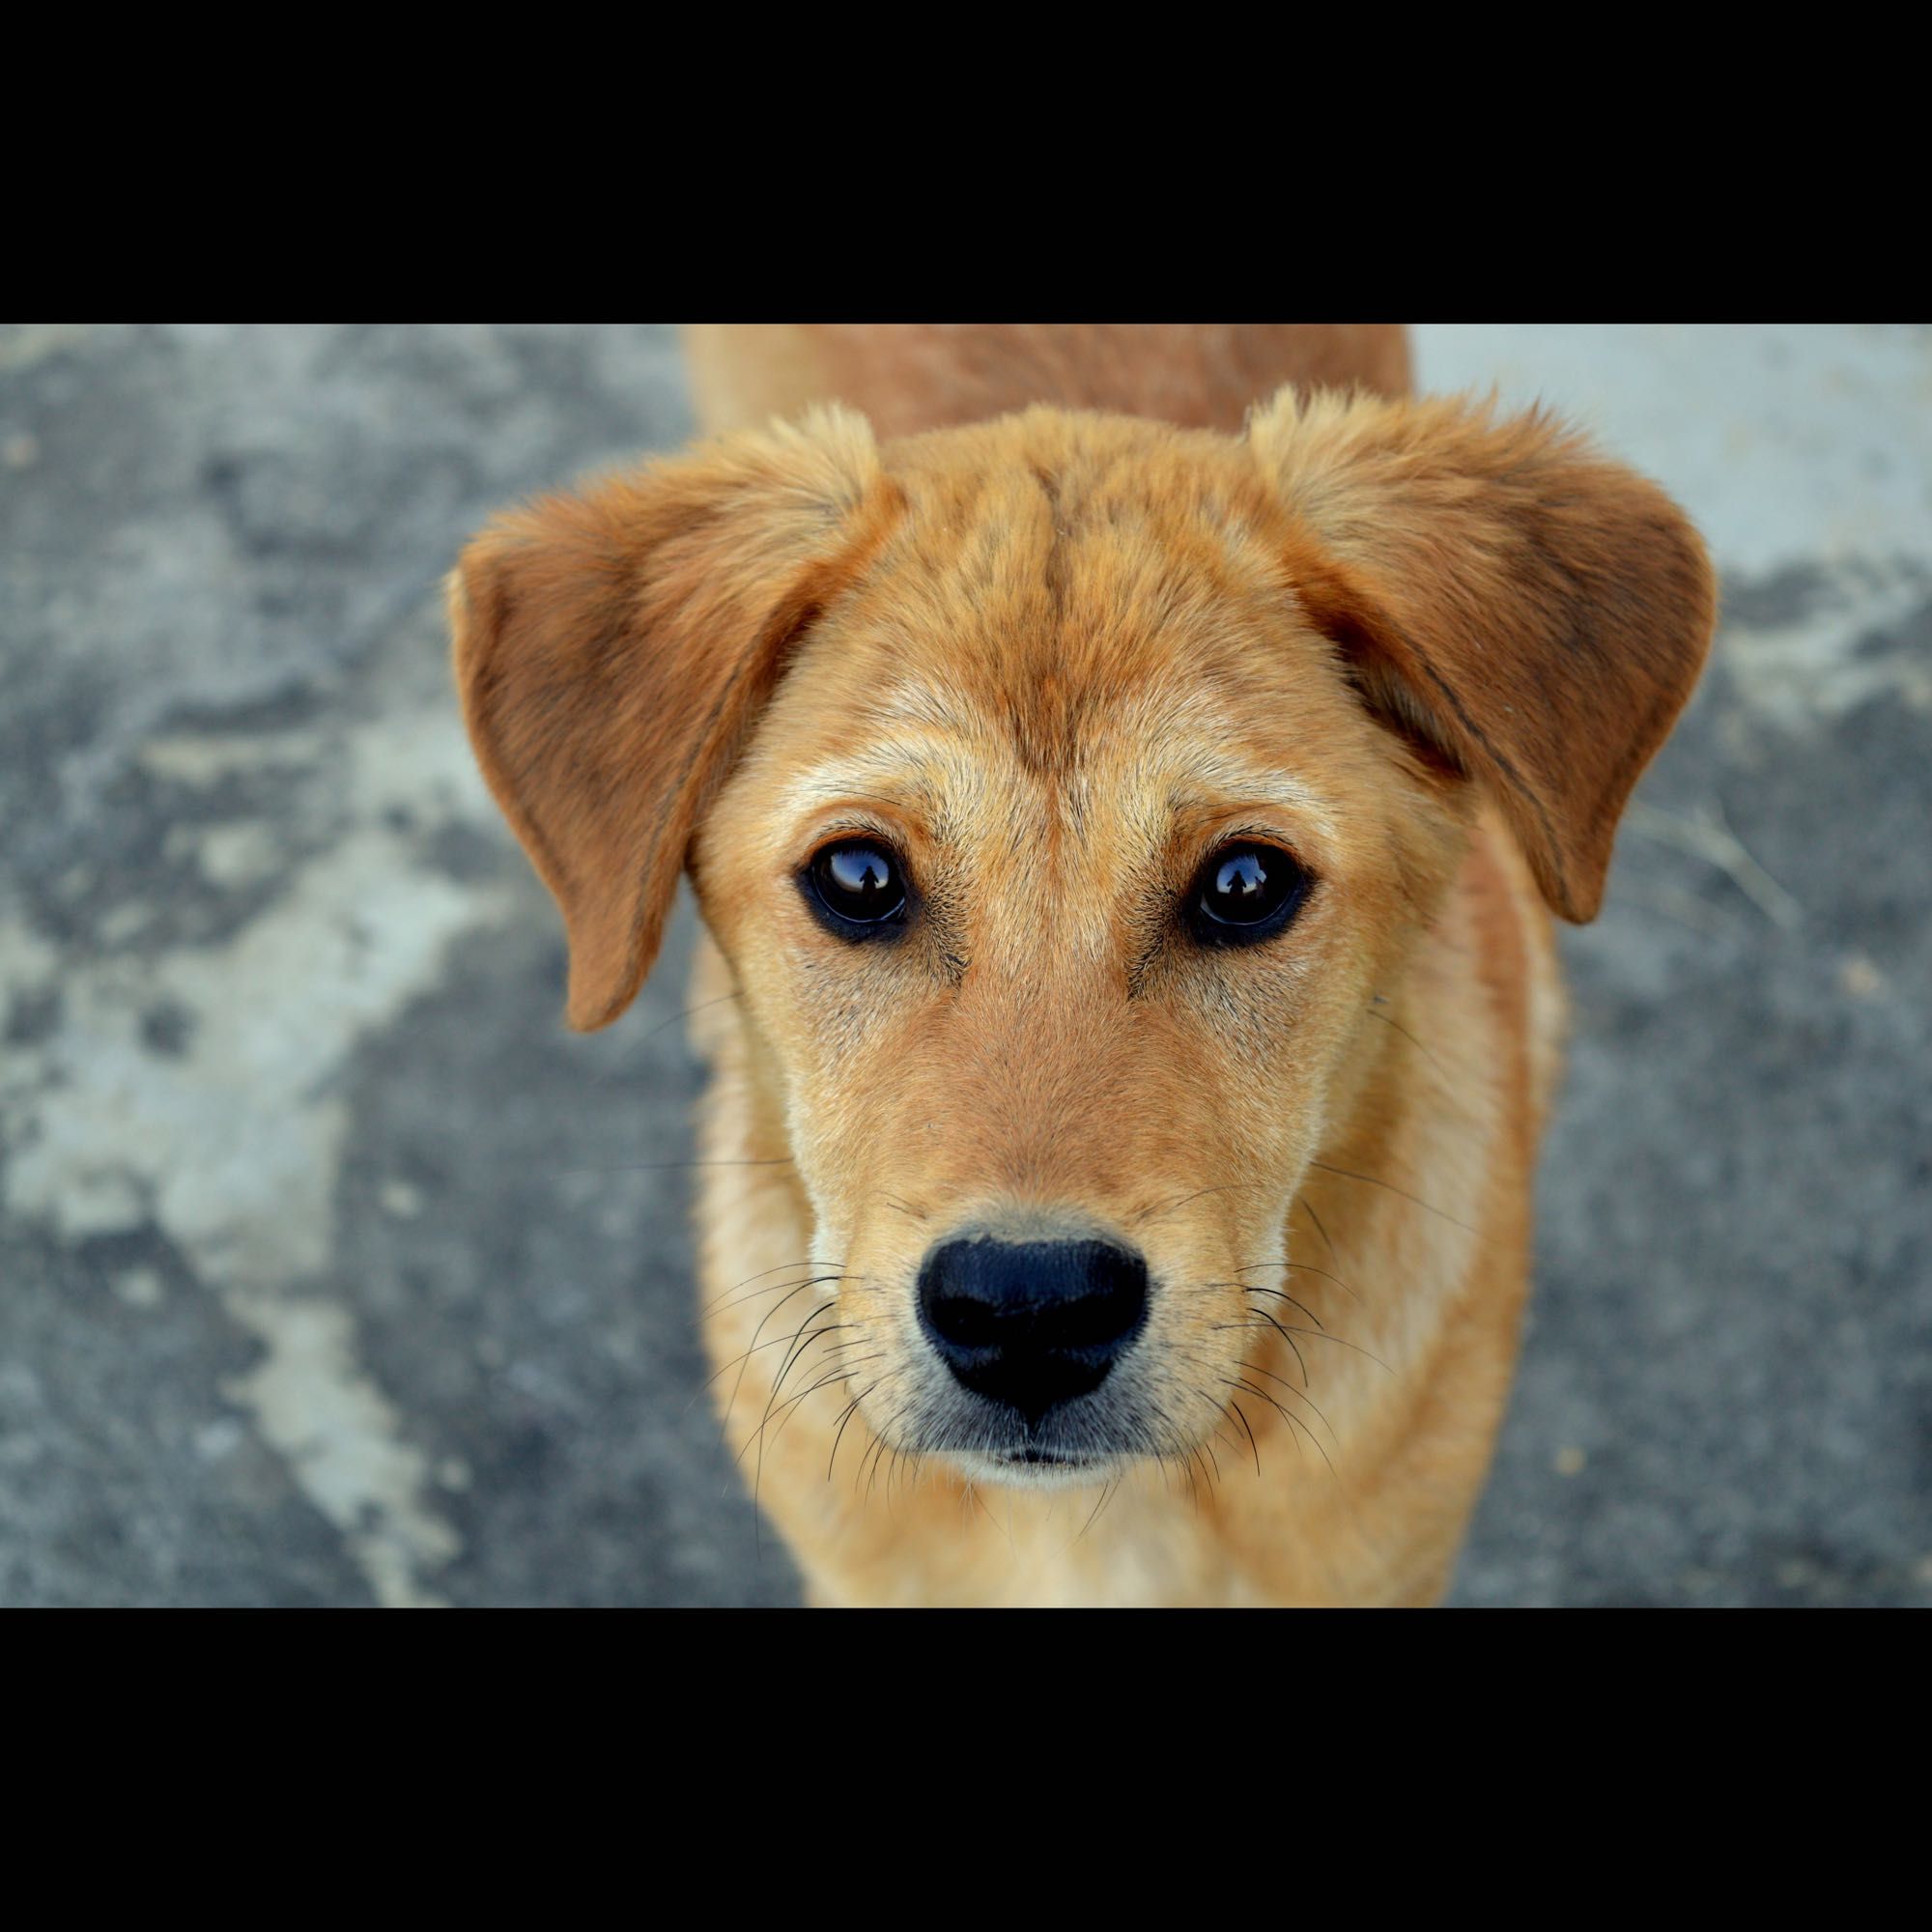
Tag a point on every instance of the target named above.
point(1127, 774)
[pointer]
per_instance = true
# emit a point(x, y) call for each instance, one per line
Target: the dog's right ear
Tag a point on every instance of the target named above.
point(613, 648)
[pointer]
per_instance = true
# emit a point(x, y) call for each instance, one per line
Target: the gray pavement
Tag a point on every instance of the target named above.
point(333, 1270)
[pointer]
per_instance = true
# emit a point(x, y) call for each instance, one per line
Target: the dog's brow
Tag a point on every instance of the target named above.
point(1226, 784)
point(924, 705)
point(1215, 784)
point(882, 779)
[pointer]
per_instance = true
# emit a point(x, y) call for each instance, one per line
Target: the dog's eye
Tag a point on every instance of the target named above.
point(861, 886)
point(1244, 894)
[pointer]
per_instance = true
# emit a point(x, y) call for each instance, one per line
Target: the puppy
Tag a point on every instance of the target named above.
point(1126, 836)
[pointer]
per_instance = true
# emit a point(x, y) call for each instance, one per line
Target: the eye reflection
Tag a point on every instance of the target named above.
point(861, 884)
point(1245, 893)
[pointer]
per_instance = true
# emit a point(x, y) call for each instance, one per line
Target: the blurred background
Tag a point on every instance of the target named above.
point(330, 1268)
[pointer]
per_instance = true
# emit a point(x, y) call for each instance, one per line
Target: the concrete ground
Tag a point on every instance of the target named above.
point(331, 1270)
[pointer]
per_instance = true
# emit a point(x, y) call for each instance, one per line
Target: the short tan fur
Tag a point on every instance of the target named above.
point(1054, 614)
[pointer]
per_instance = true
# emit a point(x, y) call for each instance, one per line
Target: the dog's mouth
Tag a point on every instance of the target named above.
point(1032, 1467)
point(1058, 1451)
point(1051, 1462)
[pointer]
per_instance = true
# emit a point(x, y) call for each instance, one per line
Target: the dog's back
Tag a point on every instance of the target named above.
point(909, 377)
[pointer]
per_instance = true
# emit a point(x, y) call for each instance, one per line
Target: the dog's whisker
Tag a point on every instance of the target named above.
point(1252, 1444)
point(839, 1436)
point(1107, 1490)
point(1280, 1295)
point(829, 1360)
point(783, 1410)
point(810, 1260)
point(1448, 1077)
point(717, 1000)
point(1201, 1456)
point(980, 1503)
point(841, 1374)
point(872, 1454)
point(1284, 1333)
point(799, 1345)
point(1369, 1179)
point(622, 1070)
point(791, 1289)
point(1306, 1267)
point(881, 1464)
point(739, 1298)
point(1300, 1395)
point(1323, 1335)
point(1287, 1416)
point(664, 1166)
point(736, 1361)
point(1222, 1187)
point(744, 1361)
point(795, 1354)
point(1307, 1207)
point(759, 1434)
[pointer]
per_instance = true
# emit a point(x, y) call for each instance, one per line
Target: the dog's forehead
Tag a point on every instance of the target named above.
point(932, 750)
point(1098, 615)
point(1076, 548)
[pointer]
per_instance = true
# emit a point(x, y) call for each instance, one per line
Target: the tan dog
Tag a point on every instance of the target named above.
point(1122, 850)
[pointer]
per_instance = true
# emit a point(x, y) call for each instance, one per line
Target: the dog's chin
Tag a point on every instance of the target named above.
point(1034, 1469)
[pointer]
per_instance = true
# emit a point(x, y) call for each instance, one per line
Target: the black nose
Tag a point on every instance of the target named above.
point(1031, 1324)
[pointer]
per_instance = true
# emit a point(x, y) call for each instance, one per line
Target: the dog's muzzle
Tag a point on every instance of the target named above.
point(1032, 1326)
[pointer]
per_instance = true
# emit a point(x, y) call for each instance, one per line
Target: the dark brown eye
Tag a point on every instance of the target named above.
point(860, 886)
point(1245, 893)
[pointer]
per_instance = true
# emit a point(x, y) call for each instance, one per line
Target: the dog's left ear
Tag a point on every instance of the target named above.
point(1533, 612)
point(614, 648)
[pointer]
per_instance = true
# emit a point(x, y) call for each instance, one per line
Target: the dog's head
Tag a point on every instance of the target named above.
point(1061, 791)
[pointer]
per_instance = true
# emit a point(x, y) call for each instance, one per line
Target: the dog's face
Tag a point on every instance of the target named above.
point(1058, 878)
point(1062, 792)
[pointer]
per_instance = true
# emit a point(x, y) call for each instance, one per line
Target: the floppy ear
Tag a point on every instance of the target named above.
point(1533, 612)
point(612, 647)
